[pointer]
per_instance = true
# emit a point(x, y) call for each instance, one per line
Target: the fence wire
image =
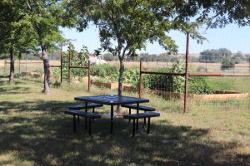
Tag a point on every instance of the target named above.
point(229, 87)
point(162, 86)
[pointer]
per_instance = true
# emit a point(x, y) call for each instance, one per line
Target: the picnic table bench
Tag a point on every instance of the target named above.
point(75, 110)
point(138, 107)
point(83, 106)
point(88, 115)
point(141, 116)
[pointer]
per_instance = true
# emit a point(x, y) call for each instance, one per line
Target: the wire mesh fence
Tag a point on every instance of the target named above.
point(164, 81)
point(227, 84)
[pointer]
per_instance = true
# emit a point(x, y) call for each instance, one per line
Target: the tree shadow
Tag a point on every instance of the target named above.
point(5, 81)
point(41, 133)
point(14, 89)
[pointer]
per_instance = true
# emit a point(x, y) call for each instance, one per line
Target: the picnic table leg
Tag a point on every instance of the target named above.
point(86, 109)
point(93, 111)
point(111, 119)
point(74, 123)
point(129, 114)
point(133, 133)
point(90, 126)
point(148, 129)
point(137, 120)
point(144, 123)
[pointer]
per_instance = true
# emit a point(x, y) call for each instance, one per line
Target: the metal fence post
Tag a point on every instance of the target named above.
point(89, 82)
point(69, 71)
point(140, 79)
point(61, 67)
point(249, 62)
point(186, 75)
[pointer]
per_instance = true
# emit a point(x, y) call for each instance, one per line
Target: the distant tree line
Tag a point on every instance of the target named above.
point(223, 56)
point(219, 55)
point(27, 56)
point(206, 56)
point(163, 57)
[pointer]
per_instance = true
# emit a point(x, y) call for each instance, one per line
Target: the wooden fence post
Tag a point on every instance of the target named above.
point(140, 80)
point(89, 82)
point(186, 75)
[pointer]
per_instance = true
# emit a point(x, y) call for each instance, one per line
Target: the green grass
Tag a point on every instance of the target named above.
point(238, 84)
point(35, 131)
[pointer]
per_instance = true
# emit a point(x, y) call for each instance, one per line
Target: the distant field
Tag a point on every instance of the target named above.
point(193, 66)
point(211, 67)
point(25, 66)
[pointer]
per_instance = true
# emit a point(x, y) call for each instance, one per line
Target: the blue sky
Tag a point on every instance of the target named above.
point(232, 37)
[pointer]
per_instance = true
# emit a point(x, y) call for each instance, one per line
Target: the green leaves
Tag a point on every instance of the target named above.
point(29, 24)
point(219, 13)
point(46, 19)
point(125, 26)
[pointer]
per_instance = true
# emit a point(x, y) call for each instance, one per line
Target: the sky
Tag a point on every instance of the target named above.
point(232, 37)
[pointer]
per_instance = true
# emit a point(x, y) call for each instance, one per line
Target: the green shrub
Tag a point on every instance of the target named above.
point(197, 85)
point(77, 59)
point(227, 64)
point(131, 76)
point(166, 82)
point(109, 72)
point(200, 85)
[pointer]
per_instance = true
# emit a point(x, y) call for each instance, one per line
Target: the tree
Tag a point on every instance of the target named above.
point(45, 17)
point(215, 55)
point(238, 57)
point(125, 26)
point(227, 63)
point(15, 34)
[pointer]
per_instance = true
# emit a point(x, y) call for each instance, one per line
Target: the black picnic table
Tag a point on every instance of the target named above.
point(112, 100)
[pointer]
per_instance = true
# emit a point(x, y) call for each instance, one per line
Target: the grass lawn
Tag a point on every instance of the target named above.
point(35, 131)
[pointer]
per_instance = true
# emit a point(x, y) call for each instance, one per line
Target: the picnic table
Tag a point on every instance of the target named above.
point(112, 100)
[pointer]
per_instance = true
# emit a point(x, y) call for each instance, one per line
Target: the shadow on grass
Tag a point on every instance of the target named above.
point(13, 88)
point(42, 134)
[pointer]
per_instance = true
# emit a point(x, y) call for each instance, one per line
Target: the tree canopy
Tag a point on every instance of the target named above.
point(126, 26)
point(15, 35)
point(219, 13)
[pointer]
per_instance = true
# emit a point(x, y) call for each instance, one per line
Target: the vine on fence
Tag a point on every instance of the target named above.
point(76, 59)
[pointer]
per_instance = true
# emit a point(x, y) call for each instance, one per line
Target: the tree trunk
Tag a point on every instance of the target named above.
point(46, 68)
point(12, 66)
point(120, 79)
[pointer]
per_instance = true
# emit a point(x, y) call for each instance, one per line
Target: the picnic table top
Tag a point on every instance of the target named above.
point(111, 99)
